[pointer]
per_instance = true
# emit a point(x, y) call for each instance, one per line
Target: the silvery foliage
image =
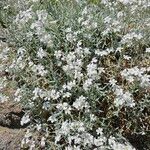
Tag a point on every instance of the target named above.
point(75, 66)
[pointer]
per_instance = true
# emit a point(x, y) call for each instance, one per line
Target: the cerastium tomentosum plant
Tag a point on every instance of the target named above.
point(82, 72)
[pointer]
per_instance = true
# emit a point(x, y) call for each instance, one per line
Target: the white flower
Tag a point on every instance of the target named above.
point(126, 57)
point(70, 37)
point(68, 30)
point(87, 84)
point(130, 79)
point(118, 102)
point(67, 94)
point(58, 54)
point(81, 103)
point(112, 82)
point(80, 19)
point(37, 91)
point(77, 140)
point(147, 50)
point(120, 14)
point(81, 127)
point(17, 92)
point(57, 138)
point(133, 72)
point(118, 91)
point(29, 35)
point(100, 70)
point(86, 51)
point(70, 57)
point(52, 118)
point(54, 94)
point(145, 80)
point(64, 106)
point(43, 142)
point(85, 11)
point(21, 51)
point(92, 70)
point(119, 49)
point(101, 53)
point(46, 38)
point(32, 145)
point(38, 26)
point(25, 119)
point(41, 70)
point(127, 97)
point(123, 98)
point(124, 1)
point(77, 125)
point(116, 145)
point(42, 15)
point(41, 53)
point(93, 117)
point(65, 128)
point(23, 17)
point(70, 85)
point(88, 139)
point(99, 141)
point(107, 19)
point(18, 98)
point(99, 131)
point(46, 105)
point(94, 25)
point(127, 39)
point(86, 23)
point(38, 127)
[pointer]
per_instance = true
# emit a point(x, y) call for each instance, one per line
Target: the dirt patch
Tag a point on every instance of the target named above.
point(10, 115)
point(10, 139)
point(11, 132)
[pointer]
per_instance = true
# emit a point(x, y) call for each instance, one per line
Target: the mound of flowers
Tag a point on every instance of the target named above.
point(81, 71)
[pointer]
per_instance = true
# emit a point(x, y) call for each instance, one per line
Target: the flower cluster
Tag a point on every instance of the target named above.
point(78, 67)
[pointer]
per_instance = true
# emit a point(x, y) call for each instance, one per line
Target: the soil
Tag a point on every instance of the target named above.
point(10, 115)
point(10, 139)
point(11, 132)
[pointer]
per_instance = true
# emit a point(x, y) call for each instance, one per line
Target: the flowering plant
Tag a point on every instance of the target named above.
point(80, 71)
